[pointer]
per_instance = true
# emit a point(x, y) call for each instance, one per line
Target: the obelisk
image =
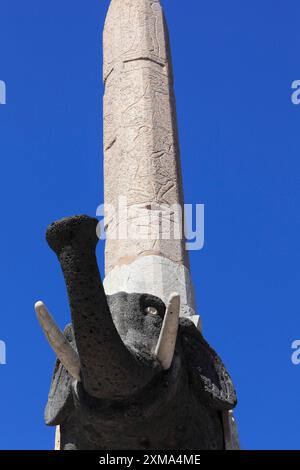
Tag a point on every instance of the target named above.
point(142, 169)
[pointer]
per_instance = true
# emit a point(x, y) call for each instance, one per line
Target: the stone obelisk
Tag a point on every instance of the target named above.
point(141, 158)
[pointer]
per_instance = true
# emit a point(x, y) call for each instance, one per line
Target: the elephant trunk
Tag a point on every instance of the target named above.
point(108, 368)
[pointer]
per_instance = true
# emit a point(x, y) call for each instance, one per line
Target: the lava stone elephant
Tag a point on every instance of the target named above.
point(130, 373)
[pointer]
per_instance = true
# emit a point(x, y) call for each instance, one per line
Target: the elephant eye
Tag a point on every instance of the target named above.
point(151, 311)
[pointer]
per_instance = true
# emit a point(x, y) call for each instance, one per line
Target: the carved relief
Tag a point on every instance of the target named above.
point(140, 135)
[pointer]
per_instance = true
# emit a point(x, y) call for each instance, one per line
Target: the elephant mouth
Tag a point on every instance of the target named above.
point(147, 402)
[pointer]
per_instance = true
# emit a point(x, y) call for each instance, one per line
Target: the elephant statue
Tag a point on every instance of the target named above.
point(130, 373)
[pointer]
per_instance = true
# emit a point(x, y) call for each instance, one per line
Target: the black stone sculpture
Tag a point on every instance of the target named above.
point(123, 398)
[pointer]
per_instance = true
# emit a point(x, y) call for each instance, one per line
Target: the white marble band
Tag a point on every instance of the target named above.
point(158, 276)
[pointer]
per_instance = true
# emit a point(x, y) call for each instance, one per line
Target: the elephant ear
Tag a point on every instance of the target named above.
point(210, 379)
point(60, 399)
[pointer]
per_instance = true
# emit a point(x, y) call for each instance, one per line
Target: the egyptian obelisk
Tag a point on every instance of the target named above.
point(141, 157)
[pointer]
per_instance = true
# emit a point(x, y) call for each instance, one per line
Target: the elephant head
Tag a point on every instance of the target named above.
point(130, 373)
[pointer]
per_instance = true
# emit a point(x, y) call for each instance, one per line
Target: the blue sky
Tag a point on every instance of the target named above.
point(234, 63)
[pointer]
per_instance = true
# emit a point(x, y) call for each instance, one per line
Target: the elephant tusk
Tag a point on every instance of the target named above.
point(58, 342)
point(165, 348)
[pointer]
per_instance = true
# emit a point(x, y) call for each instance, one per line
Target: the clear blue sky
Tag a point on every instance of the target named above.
point(234, 63)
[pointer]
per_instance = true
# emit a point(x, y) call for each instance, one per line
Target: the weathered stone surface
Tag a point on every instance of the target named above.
point(141, 143)
point(231, 434)
point(57, 439)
